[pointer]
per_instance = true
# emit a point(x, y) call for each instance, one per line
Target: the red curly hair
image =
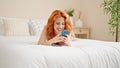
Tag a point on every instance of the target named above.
point(50, 24)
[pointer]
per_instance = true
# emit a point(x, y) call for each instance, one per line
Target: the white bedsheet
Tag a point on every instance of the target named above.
point(23, 52)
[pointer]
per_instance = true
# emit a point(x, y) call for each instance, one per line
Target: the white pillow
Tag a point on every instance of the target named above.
point(16, 27)
point(36, 26)
point(1, 26)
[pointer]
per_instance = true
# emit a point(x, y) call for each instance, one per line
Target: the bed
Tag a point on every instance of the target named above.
point(23, 52)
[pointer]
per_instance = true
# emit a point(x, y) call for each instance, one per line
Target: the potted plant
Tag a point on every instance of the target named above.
point(112, 7)
point(70, 12)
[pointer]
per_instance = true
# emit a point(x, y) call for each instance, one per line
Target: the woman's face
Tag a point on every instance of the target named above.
point(59, 25)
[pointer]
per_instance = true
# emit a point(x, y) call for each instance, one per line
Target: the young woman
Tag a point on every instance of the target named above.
point(57, 22)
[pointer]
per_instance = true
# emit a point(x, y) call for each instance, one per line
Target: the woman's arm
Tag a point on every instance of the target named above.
point(72, 34)
point(44, 41)
point(43, 38)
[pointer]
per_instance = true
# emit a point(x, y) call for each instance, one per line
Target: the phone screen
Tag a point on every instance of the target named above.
point(65, 33)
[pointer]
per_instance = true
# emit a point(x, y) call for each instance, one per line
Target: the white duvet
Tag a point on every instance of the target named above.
point(23, 52)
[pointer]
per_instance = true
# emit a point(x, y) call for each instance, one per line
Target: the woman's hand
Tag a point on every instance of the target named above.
point(56, 39)
point(67, 41)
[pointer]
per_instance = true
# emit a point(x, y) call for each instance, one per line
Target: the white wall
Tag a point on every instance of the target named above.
point(92, 14)
point(94, 17)
point(34, 8)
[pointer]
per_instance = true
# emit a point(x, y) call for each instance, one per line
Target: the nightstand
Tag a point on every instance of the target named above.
point(82, 32)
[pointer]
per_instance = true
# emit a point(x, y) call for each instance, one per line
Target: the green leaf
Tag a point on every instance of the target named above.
point(70, 12)
point(112, 7)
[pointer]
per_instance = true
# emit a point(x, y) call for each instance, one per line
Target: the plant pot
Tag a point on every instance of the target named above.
point(78, 23)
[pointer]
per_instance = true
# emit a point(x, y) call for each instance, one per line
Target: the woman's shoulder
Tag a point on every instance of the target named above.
point(45, 27)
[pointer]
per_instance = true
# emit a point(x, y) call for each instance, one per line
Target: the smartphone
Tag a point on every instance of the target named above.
point(64, 33)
